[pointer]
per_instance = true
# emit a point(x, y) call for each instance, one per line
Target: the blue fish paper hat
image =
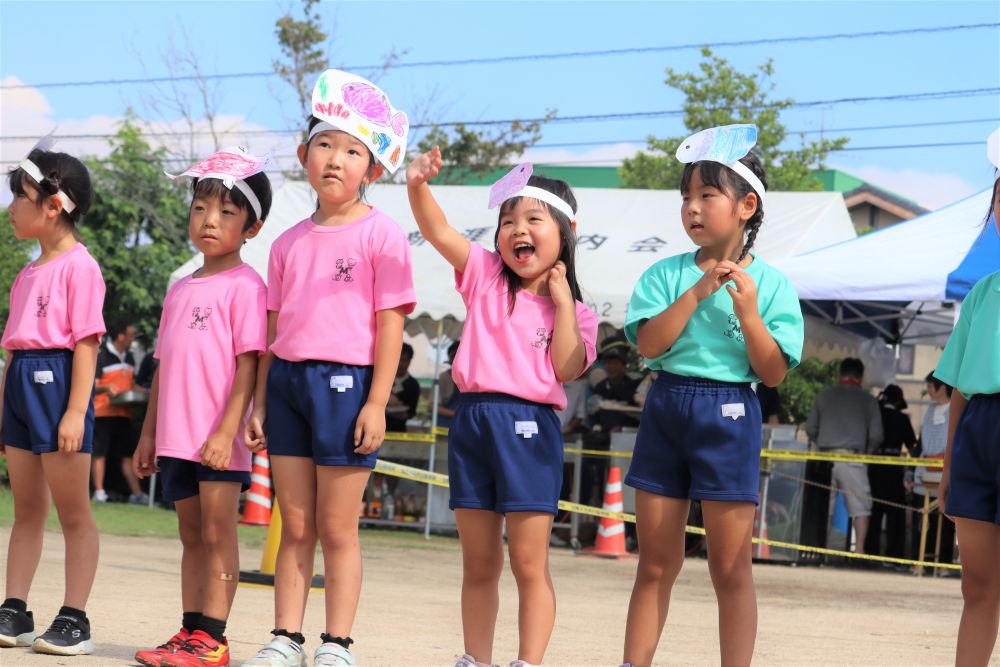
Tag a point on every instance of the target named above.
point(993, 152)
point(354, 105)
point(725, 144)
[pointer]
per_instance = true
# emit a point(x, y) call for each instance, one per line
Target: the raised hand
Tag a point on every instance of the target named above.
point(424, 167)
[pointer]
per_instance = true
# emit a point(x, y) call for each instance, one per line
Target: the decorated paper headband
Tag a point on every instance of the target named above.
point(993, 151)
point(231, 166)
point(515, 184)
point(726, 145)
point(31, 169)
point(358, 107)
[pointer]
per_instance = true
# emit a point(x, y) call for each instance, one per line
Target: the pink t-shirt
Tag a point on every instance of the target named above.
point(206, 323)
point(505, 354)
point(326, 284)
point(56, 304)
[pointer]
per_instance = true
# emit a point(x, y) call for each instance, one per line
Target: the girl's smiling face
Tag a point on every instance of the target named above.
point(528, 238)
point(337, 164)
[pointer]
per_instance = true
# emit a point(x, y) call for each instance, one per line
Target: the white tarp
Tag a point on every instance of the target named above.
point(907, 262)
point(620, 234)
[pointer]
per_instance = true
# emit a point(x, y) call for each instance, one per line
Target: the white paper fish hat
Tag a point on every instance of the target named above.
point(231, 166)
point(993, 151)
point(46, 143)
point(725, 144)
point(357, 106)
point(515, 184)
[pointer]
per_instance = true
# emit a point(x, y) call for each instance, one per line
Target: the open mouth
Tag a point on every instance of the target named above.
point(523, 251)
point(696, 227)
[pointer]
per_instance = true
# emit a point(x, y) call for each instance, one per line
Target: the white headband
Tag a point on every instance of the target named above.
point(321, 126)
point(32, 170)
point(229, 165)
point(556, 202)
point(750, 177)
point(240, 185)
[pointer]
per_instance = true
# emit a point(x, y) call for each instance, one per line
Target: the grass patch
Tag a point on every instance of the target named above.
point(140, 521)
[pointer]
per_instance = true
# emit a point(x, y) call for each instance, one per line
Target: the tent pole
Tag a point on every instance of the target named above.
point(434, 422)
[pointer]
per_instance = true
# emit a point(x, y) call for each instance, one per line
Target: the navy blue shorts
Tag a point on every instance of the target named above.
point(35, 398)
point(179, 478)
point(698, 439)
point(974, 483)
point(312, 408)
point(505, 454)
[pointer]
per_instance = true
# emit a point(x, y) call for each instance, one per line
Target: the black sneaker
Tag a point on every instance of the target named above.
point(17, 628)
point(66, 636)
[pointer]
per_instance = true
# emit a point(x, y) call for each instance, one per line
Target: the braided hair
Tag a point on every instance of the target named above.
point(60, 171)
point(736, 187)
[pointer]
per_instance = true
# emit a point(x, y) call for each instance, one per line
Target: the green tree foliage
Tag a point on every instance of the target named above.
point(136, 228)
point(468, 152)
point(798, 391)
point(14, 254)
point(301, 43)
point(718, 94)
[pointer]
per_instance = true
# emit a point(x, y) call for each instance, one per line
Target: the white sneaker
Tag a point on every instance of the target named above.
point(279, 652)
point(522, 663)
point(100, 496)
point(332, 654)
point(468, 661)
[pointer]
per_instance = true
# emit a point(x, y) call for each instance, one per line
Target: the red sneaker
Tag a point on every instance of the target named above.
point(200, 650)
point(153, 657)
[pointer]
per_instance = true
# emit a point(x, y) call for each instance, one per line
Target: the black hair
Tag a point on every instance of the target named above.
point(991, 211)
point(893, 395)
point(453, 350)
point(213, 188)
point(406, 350)
point(721, 177)
point(363, 190)
point(117, 328)
point(930, 379)
point(567, 236)
point(60, 171)
point(852, 367)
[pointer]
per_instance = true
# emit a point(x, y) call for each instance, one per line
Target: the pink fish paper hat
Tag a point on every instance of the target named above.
point(46, 143)
point(515, 184)
point(231, 166)
point(725, 144)
point(346, 102)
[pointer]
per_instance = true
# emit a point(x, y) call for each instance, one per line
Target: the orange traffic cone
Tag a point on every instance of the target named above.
point(611, 532)
point(258, 500)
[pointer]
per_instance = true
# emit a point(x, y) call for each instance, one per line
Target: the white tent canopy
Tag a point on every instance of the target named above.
point(620, 234)
point(895, 282)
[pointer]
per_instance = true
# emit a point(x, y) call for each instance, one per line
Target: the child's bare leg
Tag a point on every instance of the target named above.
point(528, 535)
point(338, 496)
point(295, 486)
point(482, 562)
point(68, 476)
point(977, 632)
point(729, 528)
point(31, 508)
point(660, 530)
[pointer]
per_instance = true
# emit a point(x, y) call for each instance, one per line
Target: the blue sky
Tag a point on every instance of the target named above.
point(49, 42)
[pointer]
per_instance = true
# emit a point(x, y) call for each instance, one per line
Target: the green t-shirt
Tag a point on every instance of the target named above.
point(971, 359)
point(711, 345)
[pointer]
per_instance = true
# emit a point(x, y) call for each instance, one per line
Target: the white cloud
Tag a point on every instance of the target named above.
point(931, 190)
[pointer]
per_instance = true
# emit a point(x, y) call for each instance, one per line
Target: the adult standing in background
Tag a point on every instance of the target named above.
point(887, 480)
point(846, 418)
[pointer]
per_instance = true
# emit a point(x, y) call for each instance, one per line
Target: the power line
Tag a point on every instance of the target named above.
point(531, 57)
point(289, 156)
point(636, 115)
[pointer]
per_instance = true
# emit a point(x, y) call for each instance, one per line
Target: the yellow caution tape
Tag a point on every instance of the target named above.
point(437, 479)
point(395, 436)
point(798, 455)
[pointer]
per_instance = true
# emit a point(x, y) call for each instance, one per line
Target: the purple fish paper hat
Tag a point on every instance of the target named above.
point(354, 105)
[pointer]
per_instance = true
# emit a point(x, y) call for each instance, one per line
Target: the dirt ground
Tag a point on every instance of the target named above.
point(409, 611)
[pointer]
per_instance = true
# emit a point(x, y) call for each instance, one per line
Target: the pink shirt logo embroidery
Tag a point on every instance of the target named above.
point(544, 338)
point(344, 270)
point(199, 321)
point(43, 304)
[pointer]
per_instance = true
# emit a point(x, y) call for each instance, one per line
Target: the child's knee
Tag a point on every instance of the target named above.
point(482, 567)
point(730, 575)
point(335, 537)
point(981, 588)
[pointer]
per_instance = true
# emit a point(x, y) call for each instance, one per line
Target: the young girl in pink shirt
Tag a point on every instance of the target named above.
point(339, 286)
point(211, 332)
point(526, 333)
point(51, 335)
